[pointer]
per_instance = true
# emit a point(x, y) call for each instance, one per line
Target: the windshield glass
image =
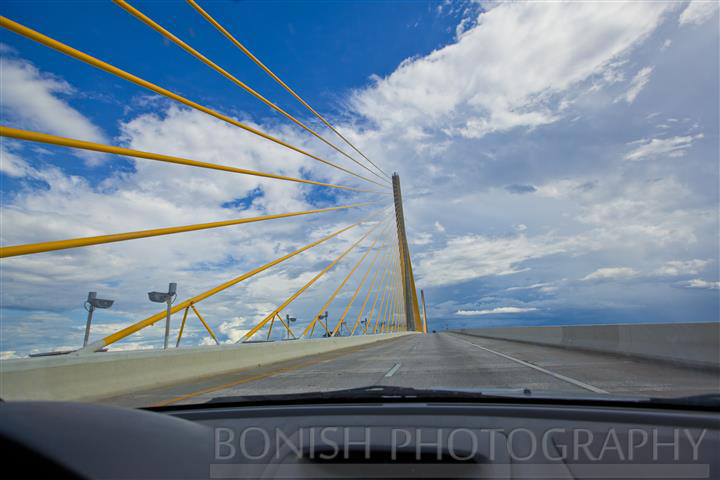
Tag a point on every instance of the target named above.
point(233, 199)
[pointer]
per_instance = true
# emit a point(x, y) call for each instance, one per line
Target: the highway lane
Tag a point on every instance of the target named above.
point(444, 360)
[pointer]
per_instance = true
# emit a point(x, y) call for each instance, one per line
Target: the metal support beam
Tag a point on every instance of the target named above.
point(412, 311)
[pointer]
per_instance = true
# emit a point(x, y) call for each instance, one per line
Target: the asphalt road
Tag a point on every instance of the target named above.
point(445, 360)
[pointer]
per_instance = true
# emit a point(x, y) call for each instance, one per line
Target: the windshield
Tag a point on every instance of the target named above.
point(237, 199)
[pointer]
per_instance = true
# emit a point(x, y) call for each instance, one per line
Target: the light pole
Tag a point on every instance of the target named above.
point(163, 297)
point(289, 320)
point(90, 305)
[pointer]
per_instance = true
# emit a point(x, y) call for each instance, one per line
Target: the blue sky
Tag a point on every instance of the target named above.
point(559, 160)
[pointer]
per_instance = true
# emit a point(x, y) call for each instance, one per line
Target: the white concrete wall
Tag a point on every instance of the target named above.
point(693, 344)
point(99, 375)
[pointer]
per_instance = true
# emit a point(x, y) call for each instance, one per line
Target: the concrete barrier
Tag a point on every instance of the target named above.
point(101, 375)
point(691, 344)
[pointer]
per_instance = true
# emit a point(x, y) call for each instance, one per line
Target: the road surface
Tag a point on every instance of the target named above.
point(444, 360)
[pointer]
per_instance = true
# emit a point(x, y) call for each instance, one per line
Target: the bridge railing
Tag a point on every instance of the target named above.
point(395, 305)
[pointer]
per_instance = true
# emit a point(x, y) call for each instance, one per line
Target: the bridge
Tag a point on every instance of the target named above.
point(378, 336)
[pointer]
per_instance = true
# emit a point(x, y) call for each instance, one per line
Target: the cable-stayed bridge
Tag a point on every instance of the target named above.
point(379, 335)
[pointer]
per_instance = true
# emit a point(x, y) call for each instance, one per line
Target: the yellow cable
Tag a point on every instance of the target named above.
point(247, 52)
point(67, 50)
point(99, 147)
point(167, 34)
point(119, 335)
point(31, 248)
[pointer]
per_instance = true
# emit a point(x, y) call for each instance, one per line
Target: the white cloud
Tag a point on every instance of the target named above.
point(545, 287)
point(656, 147)
point(611, 273)
point(33, 98)
point(637, 84)
point(497, 310)
point(502, 74)
point(473, 256)
point(682, 267)
point(698, 11)
point(700, 283)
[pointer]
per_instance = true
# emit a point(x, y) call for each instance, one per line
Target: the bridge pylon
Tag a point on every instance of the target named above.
point(413, 320)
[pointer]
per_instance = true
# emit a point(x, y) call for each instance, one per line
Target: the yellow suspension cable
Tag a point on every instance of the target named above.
point(305, 287)
point(357, 290)
point(167, 34)
point(396, 297)
point(377, 295)
point(380, 268)
point(177, 307)
point(120, 237)
point(342, 284)
point(99, 147)
point(385, 296)
point(67, 50)
point(247, 52)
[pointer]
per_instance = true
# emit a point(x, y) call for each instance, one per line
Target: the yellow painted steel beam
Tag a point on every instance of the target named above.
point(370, 290)
point(357, 290)
point(287, 327)
point(257, 61)
point(120, 237)
point(342, 284)
point(119, 335)
point(207, 327)
point(306, 286)
point(67, 50)
point(99, 147)
point(167, 34)
point(182, 326)
point(272, 322)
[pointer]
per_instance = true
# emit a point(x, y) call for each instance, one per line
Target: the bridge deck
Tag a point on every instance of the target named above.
point(444, 360)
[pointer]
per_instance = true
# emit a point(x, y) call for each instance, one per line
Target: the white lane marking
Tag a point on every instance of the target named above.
point(580, 384)
point(394, 369)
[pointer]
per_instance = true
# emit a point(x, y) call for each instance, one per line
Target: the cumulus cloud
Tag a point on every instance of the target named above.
point(697, 12)
point(700, 283)
point(496, 310)
point(682, 267)
point(473, 256)
point(611, 273)
point(502, 74)
point(34, 100)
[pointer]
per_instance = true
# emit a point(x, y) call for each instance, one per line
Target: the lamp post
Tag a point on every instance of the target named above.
point(289, 320)
point(165, 297)
point(90, 305)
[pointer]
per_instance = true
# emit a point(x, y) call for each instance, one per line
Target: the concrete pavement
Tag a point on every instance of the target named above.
point(444, 360)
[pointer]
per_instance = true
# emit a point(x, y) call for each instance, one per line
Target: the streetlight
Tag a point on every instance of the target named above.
point(163, 297)
point(289, 319)
point(90, 305)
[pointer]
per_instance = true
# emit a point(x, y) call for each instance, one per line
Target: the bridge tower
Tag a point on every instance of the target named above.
point(413, 320)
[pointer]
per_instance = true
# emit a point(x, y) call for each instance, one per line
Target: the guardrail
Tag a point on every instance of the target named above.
point(690, 344)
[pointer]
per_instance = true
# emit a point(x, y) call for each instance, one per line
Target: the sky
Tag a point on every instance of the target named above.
point(558, 161)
